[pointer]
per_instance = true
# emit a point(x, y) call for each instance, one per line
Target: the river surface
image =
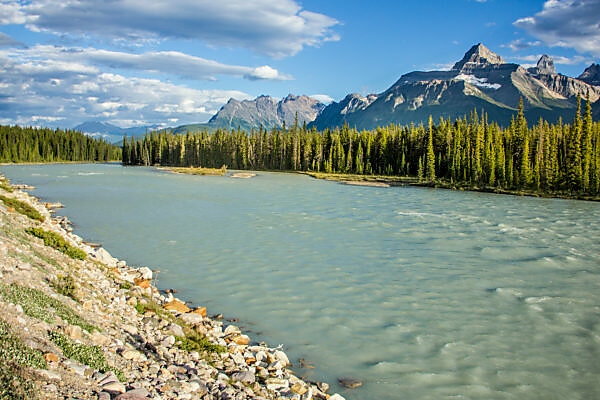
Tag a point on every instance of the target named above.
point(420, 293)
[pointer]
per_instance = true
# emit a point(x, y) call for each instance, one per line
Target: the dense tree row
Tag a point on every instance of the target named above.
point(465, 151)
point(19, 144)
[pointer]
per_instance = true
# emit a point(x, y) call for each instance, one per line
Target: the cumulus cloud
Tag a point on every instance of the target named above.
point(163, 62)
point(277, 28)
point(43, 91)
point(567, 23)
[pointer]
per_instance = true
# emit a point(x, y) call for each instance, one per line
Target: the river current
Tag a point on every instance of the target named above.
point(420, 293)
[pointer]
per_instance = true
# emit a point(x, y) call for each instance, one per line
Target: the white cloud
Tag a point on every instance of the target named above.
point(520, 44)
point(567, 23)
point(59, 92)
point(163, 62)
point(277, 28)
point(323, 98)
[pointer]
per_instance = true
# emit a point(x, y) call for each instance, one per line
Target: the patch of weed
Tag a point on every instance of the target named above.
point(39, 305)
point(55, 241)
point(196, 342)
point(92, 356)
point(22, 208)
point(13, 349)
point(65, 285)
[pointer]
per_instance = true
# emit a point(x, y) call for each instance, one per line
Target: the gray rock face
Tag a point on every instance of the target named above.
point(545, 66)
point(266, 111)
point(481, 80)
point(591, 75)
point(478, 56)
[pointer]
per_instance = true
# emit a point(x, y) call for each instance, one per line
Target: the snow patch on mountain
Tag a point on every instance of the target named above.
point(480, 82)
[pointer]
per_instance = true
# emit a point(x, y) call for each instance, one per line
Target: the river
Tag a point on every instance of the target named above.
point(421, 293)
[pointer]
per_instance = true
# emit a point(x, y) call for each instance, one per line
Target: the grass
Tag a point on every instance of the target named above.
point(55, 241)
point(92, 356)
point(37, 304)
point(15, 358)
point(200, 171)
point(65, 285)
point(22, 208)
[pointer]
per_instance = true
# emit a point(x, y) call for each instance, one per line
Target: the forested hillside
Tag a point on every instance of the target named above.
point(469, 151)
point(21, 144)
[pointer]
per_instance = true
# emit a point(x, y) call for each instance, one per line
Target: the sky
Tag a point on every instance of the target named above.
point(172, 62)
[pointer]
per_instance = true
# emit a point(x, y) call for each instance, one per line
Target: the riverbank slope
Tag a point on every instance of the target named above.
point(77, 322)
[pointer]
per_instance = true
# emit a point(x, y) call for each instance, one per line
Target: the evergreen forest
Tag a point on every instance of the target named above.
point(23, 144)
point(468, 151)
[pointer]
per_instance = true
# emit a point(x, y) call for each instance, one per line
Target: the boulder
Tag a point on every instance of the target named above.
point(105, 258)
point(192, 318)
point(200, 310)
point(350, 382)
point(175, 330)
point(244, 377)
point(50, 357)
point(143, 283)
point(176, 305)
point(145, 273)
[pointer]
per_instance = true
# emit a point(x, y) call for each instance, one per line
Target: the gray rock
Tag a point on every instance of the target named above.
point(244, 377)
point(104, 396)
point(350, 382)
point(175, 330)
point(132, 395)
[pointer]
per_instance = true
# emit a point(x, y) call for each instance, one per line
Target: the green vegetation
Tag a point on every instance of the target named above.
point(126, 285)
point(19, 144)
point(4, 184)
point(13, 349)
point(39, 305)
point(55, 241)
point(15, 358)
point(196, 342)
point(193, 341)
point(200, 171)
point(65, 285)
point(22, 208)
point(560, 159)
point(92, 356)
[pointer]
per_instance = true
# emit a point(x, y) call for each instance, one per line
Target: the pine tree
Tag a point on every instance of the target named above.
point(430, 153)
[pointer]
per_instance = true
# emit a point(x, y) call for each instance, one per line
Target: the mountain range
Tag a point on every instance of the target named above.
point(481, 81)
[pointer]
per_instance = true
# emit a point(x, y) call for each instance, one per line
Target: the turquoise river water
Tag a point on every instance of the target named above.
point(420, 293)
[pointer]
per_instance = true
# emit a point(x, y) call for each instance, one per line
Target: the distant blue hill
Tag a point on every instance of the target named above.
point(113, 133)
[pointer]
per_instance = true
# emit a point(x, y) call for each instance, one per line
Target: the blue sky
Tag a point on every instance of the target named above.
point(137, 62)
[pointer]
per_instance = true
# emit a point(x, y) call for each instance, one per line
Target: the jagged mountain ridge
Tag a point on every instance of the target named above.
point(591, 75)
point(267, 112)
point(481, 80)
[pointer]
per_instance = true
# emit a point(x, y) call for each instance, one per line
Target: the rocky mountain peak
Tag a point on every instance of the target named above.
point(545, 66)
point(478, 56)
point(591, 75)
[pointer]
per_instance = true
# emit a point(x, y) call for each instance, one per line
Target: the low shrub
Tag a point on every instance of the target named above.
point(22, 208)
point(55, 241)
point(65, 285)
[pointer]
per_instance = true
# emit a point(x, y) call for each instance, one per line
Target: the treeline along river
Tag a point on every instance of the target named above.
point(468, 152)
point(420, 293)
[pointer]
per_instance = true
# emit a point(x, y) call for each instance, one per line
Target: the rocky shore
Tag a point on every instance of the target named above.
point(77, 323)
